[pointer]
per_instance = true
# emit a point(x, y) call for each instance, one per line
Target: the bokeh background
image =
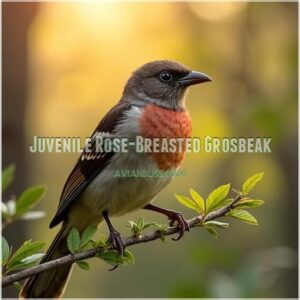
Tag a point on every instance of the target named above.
point(64, 66)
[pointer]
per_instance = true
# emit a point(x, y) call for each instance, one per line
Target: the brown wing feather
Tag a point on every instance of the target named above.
point(89, 165)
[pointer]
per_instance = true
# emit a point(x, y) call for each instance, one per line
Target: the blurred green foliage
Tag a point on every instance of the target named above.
point(29, 253)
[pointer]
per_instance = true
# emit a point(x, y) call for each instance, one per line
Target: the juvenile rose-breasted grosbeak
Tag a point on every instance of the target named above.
point(152, 105)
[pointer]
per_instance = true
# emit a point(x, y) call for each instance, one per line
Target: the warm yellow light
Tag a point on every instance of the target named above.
point(103, 17)
point(216, 11)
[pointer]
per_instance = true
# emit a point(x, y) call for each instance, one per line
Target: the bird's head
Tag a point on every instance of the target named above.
point(163, 83)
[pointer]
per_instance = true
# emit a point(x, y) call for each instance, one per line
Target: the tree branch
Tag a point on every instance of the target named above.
point(71, 258)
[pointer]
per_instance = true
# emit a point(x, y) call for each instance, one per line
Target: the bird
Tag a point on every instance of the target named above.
point(153, 104)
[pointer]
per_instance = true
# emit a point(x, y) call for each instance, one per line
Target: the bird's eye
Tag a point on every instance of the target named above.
point(165, 76)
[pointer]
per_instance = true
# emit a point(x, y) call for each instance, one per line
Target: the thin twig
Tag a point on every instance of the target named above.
point(154, 235)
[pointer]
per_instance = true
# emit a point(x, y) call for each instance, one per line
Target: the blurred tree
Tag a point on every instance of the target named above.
point(16, 19)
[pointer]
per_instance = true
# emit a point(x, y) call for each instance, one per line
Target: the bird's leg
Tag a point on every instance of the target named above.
point(173, 216)
point(114, 236)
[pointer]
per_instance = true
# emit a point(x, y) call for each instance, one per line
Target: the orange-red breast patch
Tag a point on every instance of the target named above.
point(158, 122)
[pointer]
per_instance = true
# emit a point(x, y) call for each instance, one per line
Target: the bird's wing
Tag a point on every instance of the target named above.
point(89, 165)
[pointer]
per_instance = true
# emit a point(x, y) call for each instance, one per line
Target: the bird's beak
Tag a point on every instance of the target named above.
point(194, 77)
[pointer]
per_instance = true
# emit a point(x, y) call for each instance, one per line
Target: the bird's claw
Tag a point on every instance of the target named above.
point(177, 217)
point(116, 242)
point(113, 268)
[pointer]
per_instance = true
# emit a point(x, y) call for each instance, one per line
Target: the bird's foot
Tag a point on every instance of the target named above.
point(174, 217)
point(177, 217)
point(116, 242)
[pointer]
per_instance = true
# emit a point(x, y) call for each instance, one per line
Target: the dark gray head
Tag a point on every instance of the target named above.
point(161, 82)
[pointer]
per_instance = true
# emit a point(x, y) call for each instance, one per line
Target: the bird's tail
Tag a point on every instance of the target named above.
point(50, 284)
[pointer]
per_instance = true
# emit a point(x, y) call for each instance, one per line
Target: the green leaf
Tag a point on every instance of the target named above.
point(133, 227)
point(8, 176)
point(73, 240)
point(5, 251)
point(92, 244)
point(211, 226)
point(140, 224)
point(129, 257)
point(188, 203)
point(213, 232)
point(148, 224)
point(224, 202)
point(27, 249)
point(87, 235)
point(18, 285)
point(83, 265)
point(249, 203)
point(216, 196)
point(216, 224)
point(251, 182)
point(27, 262)
point(132, 224)
point(243, 215)
point(29, 198)
point(32, 258)
point(137, 227)
point(161, 227)
point(113, 258)
point(102, 242)
point(198, 199)
point(24, 265)
point(163, 239)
